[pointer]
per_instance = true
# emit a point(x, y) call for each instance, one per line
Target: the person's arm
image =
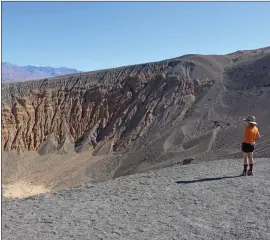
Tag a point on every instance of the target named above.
point(245, 133)
point(258, 135)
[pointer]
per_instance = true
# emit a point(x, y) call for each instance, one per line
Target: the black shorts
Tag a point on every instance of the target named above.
point(247, 147)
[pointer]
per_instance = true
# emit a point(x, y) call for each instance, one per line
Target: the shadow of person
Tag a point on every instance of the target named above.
point(207, 179)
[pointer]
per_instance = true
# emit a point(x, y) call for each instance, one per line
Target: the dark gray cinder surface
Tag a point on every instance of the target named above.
point(152, 205)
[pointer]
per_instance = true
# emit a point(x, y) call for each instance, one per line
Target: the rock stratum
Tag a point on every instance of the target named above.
point(108, 123)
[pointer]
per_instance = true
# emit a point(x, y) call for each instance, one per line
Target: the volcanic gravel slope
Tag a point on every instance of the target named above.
point(196, 201)
point(95, 126)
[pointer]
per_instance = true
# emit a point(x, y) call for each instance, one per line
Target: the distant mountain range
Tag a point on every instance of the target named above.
point(11, 72)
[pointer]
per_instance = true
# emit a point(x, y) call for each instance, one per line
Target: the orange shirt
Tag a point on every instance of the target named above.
point(251, 133)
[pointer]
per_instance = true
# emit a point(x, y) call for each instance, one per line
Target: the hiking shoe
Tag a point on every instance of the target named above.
point(244, 173)
point(250, 173)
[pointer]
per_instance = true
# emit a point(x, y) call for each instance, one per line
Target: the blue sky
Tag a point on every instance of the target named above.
point(97, 35)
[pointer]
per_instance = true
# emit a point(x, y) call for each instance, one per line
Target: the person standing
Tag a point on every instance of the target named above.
point(251, 133)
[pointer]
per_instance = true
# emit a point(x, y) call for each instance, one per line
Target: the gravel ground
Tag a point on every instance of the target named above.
point(152, 205)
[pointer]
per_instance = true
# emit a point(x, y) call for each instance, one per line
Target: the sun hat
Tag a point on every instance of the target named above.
point(250, 119)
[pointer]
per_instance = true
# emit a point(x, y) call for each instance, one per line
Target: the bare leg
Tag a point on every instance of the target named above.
point(250, 157)
point(245, 159)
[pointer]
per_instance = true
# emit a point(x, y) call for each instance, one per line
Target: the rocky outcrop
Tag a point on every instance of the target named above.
point(109, 110)
point(95, 126)
point(112, 107)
